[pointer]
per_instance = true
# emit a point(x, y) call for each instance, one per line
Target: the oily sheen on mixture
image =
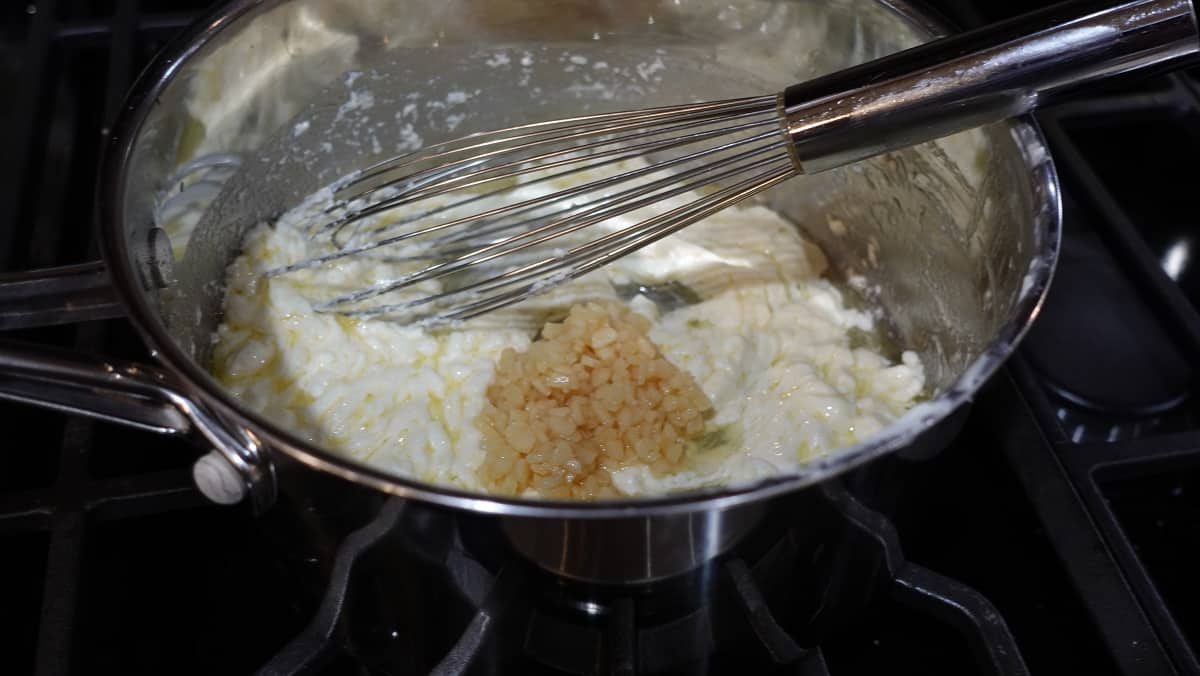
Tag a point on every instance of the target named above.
point(769, 343)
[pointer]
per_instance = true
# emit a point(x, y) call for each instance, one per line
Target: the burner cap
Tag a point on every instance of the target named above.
point(1096, 342)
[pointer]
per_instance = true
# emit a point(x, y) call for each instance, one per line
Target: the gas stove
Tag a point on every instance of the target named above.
point(1058, 533)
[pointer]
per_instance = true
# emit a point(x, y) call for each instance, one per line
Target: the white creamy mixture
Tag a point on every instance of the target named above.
point(772, 344)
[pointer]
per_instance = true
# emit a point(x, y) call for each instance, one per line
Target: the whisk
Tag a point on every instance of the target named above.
point(494, 218)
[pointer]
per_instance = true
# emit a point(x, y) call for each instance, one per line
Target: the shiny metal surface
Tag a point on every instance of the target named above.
point(631, 550)
point(131, 394)
point(63, 295)
point(956, 241)
point(980, 77)
point(493, 253)
point(489, 257)
point(135, 395)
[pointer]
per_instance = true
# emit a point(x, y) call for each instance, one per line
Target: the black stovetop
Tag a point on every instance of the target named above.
point(1065, 518)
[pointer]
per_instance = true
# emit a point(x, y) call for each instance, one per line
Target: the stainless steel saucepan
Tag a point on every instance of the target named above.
point(262, 102)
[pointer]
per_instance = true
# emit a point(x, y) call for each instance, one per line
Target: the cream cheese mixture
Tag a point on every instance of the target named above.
point(737, 301)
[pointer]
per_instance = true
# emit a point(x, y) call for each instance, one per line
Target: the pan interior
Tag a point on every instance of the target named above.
point(940, 237)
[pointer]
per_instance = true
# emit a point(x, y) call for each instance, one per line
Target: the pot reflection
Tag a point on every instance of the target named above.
point(630, 550)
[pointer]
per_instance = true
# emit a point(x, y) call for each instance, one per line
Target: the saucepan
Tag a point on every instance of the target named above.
point(263, 101)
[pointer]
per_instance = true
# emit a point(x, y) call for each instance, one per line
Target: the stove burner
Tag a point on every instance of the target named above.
point(767, 604)
point(1076, 516)
point(1097, 344)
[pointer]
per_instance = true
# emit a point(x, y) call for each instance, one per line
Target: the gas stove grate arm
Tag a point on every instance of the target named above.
point(993, 644)
point(303, 653)
point(782, 648)
point(462, 656)
point(965, 608)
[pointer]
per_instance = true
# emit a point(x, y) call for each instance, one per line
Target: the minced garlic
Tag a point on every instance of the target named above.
point(593, 395)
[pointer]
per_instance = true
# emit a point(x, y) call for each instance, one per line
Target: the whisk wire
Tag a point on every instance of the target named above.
point(553, 129)
point(625, 177)
point(500, 216)
point(727, 197)
point(510, 208)
point(620, 203)
point(519, 166)
point(663, 224)
point(532, 203)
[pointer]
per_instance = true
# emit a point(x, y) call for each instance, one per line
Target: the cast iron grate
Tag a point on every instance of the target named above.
point(777, 605)
point(69, 495)
point(1110, 368)
point(101, 530)
point(1121, 412)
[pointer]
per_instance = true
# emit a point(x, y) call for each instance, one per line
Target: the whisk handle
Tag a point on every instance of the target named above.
point(980, 76)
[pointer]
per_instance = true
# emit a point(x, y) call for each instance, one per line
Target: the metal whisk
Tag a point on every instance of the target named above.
point(500, 216)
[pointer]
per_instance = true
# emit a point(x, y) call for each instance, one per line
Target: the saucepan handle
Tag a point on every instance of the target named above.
point(981, 76)
point(140, 396)
point(62, 295)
